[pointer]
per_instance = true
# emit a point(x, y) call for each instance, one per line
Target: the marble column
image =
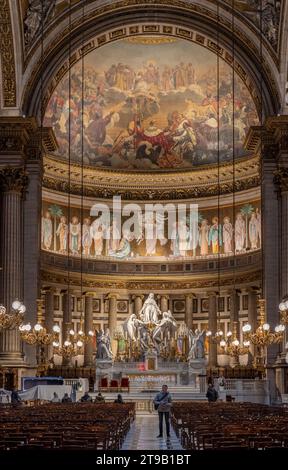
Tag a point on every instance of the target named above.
point(67, 321)
point(88, 348)
point(212, 323)
point(13, 182)
point(164, 303)
point(189, 310)
point(112, 320)
point(49, 317)
point(234, 311)
point(252, 311)
point(138, 302)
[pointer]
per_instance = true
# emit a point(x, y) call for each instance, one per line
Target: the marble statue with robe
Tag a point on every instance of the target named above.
point(150, 311)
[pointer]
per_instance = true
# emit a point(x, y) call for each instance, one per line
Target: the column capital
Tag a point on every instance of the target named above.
point(13, 179)
point(112, 295)
point(189, 296)
point(88, 294)
point(281, 179)
point(137, 296)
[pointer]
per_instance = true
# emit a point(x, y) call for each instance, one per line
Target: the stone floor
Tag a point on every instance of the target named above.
point(143, 435)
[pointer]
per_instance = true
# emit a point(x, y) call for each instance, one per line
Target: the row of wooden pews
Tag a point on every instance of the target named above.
point(65, 426)
point(210, 426)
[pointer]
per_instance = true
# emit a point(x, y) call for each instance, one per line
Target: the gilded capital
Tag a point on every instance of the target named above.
point(281, 179)
point(13, 179)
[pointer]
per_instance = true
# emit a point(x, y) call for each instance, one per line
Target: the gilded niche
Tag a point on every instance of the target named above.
point(151, 104)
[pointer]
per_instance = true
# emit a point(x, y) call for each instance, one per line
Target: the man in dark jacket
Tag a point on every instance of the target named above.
point(162, 403)
point(211, 394)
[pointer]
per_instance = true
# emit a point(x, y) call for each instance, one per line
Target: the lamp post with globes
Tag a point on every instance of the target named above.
point(14, 320)
point(39, 336)
point(263, 337)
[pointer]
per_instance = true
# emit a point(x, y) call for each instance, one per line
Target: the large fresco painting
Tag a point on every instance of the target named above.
point(151, 105)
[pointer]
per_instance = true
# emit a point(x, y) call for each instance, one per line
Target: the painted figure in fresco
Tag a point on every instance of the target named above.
point(62, 233)
point(253, 231)
point(240, 232)
point(46, 235)
point(124, 248)
point(258, 217)
point(175, 241)
point(115, 238)
point(227, 235)
point(97, 234)
point(75, 235)
point(203, 237)
point(215, 236)
point(151, 235)
point(86, 236)
point(150, 310)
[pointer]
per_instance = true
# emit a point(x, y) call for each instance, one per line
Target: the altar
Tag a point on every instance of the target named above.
point(152, 350)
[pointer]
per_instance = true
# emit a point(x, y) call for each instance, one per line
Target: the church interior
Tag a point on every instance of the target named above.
point(143, 242)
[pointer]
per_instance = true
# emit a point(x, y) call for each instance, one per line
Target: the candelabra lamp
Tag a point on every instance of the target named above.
point(217, 337)
point(9, 321)
point(232, 346)
point(38, 335)
point(80, 335)
point(283, 308)
point(263, 336)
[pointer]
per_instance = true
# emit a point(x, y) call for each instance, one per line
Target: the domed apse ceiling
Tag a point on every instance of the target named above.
point(151, 104)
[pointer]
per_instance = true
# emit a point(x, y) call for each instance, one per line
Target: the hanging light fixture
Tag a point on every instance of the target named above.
point(38, 335)
point(12, 320)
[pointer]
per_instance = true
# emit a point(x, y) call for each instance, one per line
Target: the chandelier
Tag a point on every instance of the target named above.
point(218, 337)
point(283, 308)
point(232, 346)
point(69, 348)
point(80, 335)
point(263, 336)
point(13, 320)
point(38, 334)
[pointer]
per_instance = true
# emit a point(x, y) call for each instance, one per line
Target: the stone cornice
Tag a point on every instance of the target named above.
point(172, 185)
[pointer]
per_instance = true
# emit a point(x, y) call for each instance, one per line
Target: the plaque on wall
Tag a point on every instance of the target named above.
point(204, 305)
point(178, 306)
point(122, 306)
point(96, 305)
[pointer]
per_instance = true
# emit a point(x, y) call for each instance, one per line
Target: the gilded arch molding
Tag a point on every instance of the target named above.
point(7, 56)
point(117, 20)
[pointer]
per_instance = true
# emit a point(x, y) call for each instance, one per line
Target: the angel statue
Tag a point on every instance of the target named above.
point(131, 326)
point(150, 310)
point(104, 350)
point(166, 328)
point(196, 344)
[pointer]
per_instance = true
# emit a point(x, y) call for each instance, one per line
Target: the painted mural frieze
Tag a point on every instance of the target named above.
point(151, 105)
point(266, 14)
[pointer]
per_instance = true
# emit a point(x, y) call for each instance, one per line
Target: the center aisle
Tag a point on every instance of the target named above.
point(143, 436)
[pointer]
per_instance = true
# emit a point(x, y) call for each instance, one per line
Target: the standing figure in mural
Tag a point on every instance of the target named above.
point(46, 235)
point(253, 231)
point(124, 248)
point(114, 238)
point(184, 238)
point(150, 235)
point(75, 236)
point(227, 235)
point(258, 217)
point(97, 234)
point(62, 233)
point(175, 241)
point(203, 237)
point(215, 236)
point(240, 232)
point(150, 310)
point(86, 237)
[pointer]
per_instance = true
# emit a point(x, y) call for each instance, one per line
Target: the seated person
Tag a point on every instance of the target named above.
point(119, 399)
point(15, 398)
point(86, 398)
point(55, 398)
point(66, 399)
point(99, 398)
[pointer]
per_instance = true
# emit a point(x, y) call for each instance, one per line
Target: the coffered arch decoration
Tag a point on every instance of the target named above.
point(176, 19)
